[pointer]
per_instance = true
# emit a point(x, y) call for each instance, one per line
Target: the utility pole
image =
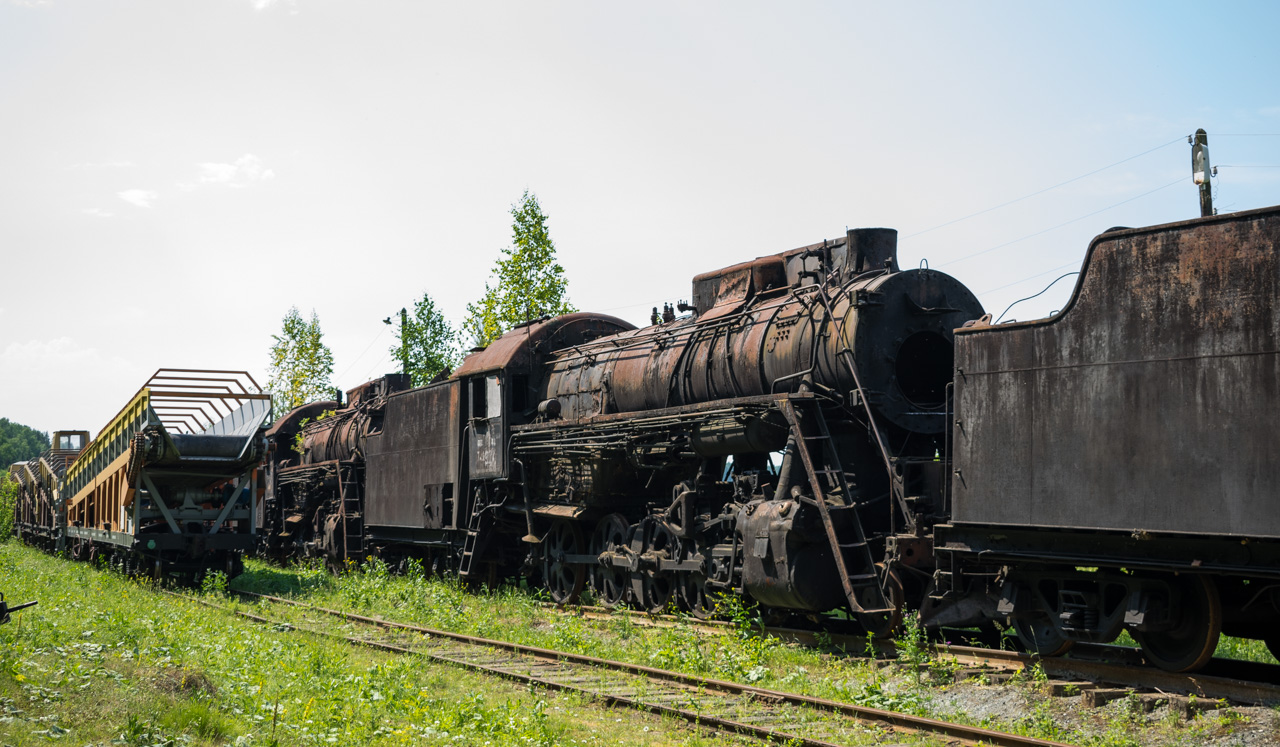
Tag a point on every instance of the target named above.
point(1201, 171)
point(404, 342)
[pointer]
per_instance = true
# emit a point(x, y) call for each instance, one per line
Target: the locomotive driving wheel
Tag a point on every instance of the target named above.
point(1190, 643)
point(610, 582)
point(564, 580)
point(652, 587)
point(694, 594)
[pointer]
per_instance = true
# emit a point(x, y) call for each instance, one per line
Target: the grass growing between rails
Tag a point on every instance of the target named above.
point(920, 684)
point(104, 660)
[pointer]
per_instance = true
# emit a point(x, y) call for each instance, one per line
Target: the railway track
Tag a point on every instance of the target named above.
point(1097, 671)
point(768, 715)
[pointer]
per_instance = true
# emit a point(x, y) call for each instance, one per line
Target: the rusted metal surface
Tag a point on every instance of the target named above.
point(1148, 404)
point(413, 463)
point(520, 347)
point(754, 335)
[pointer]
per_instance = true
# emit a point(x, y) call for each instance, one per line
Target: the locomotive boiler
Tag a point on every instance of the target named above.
point(772, 442)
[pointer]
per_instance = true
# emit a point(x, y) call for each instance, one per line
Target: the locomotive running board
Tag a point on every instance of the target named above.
point(809, 427)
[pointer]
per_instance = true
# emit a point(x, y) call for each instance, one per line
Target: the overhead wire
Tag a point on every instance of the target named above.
point(1042, 191)
point(356, 360)
point(1014, 201)
point(1179, 180)
point(1029, 277)
point(374, 367)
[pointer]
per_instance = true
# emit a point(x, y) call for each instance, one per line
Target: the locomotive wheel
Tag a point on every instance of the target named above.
point(610, 583)
point(564, 580)
point(1191, 642)
point(652, 588)
point(1037, 634)
point(694, 595)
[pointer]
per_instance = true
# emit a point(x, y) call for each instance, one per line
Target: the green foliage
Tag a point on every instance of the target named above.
point(912, 643)
point(301, 368)
point(214, 583)
point(877, 694)
point(104, 660)
point(530, 282)
point(427, 344)
point(19, 443)
point(8, 504)
point(300, 438)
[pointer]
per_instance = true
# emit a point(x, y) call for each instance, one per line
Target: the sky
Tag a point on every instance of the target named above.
point(176, 174)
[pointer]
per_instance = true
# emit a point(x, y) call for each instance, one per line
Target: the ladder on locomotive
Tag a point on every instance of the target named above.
point(352, 516)
point(852, 554)
point(476, 526)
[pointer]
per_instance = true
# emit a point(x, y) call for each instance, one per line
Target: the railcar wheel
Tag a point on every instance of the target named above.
point(652, 587)
point(609, 582)
point(1190, 644)
point(1037, 634)
point(564, 580)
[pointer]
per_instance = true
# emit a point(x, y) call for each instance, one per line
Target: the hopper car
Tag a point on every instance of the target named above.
point(169, 488)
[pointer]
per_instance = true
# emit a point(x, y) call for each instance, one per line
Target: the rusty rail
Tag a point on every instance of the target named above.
point(1242, 682)
point(708, 702)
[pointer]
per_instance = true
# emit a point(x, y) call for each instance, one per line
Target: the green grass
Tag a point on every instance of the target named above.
point(106, 660)
point(739, 654)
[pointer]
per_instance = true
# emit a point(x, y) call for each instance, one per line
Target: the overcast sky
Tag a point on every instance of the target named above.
point(176, 174)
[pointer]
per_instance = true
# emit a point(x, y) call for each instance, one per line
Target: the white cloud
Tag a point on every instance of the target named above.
point(261, 5)
point(41, 3)
point(247, 169)
point(99, 212)
point(139, 197)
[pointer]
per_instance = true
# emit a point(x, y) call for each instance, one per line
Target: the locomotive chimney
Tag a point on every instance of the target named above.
point(870, 248)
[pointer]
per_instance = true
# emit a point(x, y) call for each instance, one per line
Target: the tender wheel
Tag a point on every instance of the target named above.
point(610, 583)
point(1037, 634)
point(564, 580)
point(652, 588)
point(694, 595)
point(1191, 642)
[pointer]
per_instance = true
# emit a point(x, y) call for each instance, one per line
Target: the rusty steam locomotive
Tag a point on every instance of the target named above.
point(775, 441)
point(827, 432)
